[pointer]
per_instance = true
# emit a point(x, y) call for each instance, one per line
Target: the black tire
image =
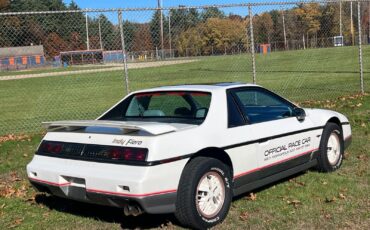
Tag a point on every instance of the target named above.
point(187, 210)
point(324, 164)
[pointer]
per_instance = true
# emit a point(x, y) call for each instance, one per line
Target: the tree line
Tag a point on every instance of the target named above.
point(188, 31)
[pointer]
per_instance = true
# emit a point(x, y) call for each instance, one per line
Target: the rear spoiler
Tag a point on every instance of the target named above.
point(125, 127)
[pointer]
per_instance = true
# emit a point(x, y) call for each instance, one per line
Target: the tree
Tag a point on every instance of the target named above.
point(308, 16)
point(74, 28)
point(212, 12)
point(215, 36)
point(183, 19)
point(155, 29)
point(142, 40)
point(109, 32)
point(76, 42)
point(128, 31)
point(263, 28)
point(54, 44)
point(4, 4)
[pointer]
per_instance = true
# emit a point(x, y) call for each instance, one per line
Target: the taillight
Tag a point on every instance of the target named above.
point(93, 152)
point(51, 147)
point(127, 154)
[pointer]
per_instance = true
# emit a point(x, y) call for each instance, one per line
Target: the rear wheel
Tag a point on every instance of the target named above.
point(204, 195)
point(331, 148)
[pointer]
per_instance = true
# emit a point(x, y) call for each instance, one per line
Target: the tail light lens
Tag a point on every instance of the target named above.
point(95, 152)
point(128, 154)
point(51, 147)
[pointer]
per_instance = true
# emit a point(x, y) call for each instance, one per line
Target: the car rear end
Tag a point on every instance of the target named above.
point(88, 167)
point(122, 159)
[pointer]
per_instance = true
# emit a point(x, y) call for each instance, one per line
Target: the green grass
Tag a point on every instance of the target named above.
point(49, 70)
point(309, 200)
point(298, 75)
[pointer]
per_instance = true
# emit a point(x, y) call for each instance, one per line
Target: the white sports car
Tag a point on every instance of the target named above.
point(187, 150)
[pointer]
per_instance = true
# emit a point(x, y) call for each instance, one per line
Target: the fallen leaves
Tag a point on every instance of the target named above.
point(167, 225)
point(330, 200)
point(295, 203)
point(350, 101)
point(14, 137)
point(252, 196)
point(297, 183)
point(16, 222)
point(10, 186)
point(341, 196)
point(14, 177)
point(244, 216)
point(362, 157)
point(327, 216)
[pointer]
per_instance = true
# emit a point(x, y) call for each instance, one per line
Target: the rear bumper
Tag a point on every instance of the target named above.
point(155, 204)
point(151, 187)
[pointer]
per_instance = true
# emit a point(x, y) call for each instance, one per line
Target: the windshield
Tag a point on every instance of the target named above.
point(168, 106)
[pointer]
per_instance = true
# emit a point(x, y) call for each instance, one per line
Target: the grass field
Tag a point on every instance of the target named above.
point(309, 200)
point(298, 75)
point(50, 70)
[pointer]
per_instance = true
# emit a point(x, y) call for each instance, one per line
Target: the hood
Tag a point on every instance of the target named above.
point(114, 127)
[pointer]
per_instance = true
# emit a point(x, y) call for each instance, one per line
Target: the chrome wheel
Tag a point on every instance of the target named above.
point(333, 148)
point(210, 194)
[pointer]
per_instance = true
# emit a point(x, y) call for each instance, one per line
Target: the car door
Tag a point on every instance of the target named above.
point(282, 141)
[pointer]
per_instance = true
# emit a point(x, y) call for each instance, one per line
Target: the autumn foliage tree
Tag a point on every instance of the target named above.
point(142, 40)
point(215, 36)
point(308, 17)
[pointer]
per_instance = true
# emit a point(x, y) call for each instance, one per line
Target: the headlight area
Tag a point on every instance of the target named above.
point(92, 152)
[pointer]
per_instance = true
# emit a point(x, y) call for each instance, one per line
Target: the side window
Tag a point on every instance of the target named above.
point(235, 118)
point(260, 105)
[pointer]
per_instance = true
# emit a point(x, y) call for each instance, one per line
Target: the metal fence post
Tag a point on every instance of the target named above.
point(360, 46)
point(252, 43)
point(87, 32)
point(123, 51)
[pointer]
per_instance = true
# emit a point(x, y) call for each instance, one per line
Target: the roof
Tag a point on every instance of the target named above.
point(21, 51)
point(200, 87)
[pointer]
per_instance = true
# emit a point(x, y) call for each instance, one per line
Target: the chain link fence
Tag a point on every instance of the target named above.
point(75, 64)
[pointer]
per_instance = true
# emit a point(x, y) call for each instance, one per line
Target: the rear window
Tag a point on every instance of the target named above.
point(173, 106)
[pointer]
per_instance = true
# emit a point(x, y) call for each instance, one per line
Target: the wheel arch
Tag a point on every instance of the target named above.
point(216, 153)
point(336, 120)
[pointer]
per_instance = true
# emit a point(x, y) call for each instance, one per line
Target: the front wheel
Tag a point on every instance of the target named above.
point(331, 148)
point(204, 195)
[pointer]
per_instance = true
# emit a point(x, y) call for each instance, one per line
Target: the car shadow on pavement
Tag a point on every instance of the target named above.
point(104, 213)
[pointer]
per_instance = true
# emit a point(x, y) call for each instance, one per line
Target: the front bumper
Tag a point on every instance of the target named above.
point(151, 187)
point(347, 141)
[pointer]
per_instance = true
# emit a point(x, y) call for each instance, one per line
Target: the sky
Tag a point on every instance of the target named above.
point(148, 3)
point(146, 16)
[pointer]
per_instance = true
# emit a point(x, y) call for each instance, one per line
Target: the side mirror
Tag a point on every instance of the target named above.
point(299, 113)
